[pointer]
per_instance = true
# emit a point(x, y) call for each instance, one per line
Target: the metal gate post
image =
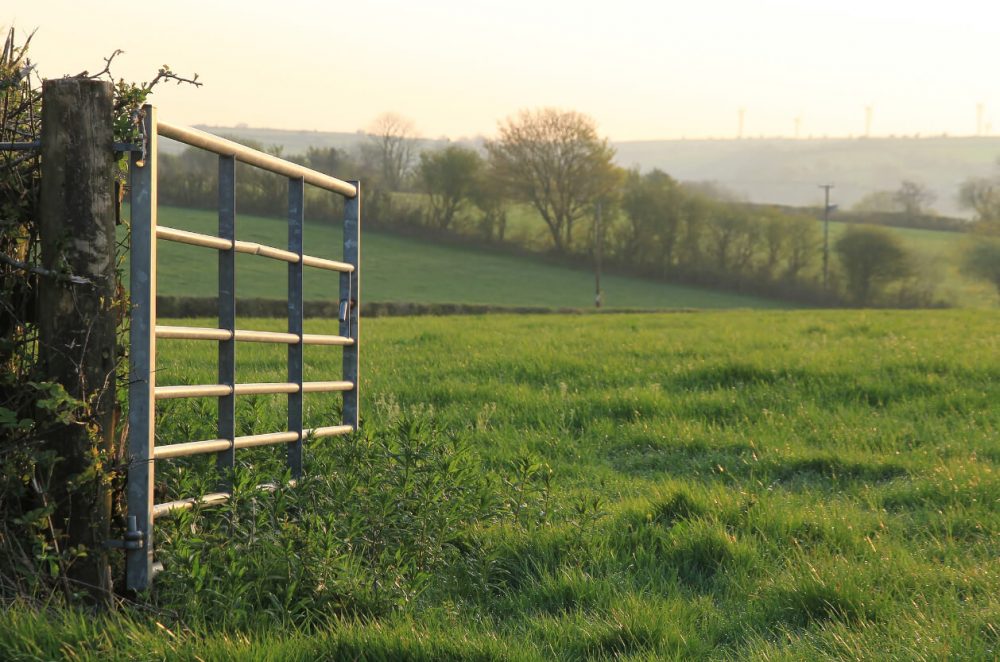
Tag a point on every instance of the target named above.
point(226, 460)
point(350, 294)
point(296, 219)
point(142, 356)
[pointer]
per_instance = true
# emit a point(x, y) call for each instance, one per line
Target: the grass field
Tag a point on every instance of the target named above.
point(403, 269)
point(765, 486)
point(400, 269)
point(940, 253)
point(937, 252)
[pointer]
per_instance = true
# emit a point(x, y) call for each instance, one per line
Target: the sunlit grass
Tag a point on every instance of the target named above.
point(396, 268)
point(784, 485)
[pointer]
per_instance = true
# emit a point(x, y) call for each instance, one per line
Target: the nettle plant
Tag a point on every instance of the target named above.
point(377, 521)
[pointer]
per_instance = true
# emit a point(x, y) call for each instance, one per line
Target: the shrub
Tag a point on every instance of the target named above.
point(375, 520)
point(981, 260)
point(872, 258)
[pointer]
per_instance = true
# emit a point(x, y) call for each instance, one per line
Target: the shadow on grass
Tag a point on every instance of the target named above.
point(810, 471)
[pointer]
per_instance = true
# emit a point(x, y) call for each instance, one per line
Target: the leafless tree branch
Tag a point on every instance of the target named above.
point(24, 266)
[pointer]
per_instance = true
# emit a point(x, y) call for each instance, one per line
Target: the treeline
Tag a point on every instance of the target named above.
point(890, 219)
point(548, 185)
point(190, 179)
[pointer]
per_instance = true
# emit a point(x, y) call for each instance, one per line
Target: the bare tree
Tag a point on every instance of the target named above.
point(981, 259)
point(913, 197)
point(556, 161)
point(982, 196)
point(802, 239)
point(392, 140)
point(878, 202)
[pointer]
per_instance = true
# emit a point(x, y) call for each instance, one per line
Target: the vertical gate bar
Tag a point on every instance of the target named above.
point(350, 291)
point(226, 460)
point(142, 355)
point(296, 219)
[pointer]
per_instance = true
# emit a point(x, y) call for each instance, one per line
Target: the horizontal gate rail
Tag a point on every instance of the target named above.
point(211, 499)
point(144, 333)
point(250, 156)
point(206, 333)
point(264, 388)
point(251, 248)
point(188, 448)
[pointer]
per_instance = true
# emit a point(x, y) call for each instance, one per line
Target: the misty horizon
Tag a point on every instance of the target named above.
point(717, 70)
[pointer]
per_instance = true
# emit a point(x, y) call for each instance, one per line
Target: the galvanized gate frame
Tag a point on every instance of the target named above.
point(143, 392)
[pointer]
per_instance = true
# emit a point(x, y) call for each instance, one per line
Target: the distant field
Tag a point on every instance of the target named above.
point(400, 269)
point(725, 486)
point(939, 252)
point(936, 252)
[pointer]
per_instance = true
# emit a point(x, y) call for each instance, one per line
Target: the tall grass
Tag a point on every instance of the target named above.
point(800, 485)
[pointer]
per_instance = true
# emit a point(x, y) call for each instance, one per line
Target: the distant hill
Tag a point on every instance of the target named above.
point(292, 142)
point(787, 171)
point(766, 170)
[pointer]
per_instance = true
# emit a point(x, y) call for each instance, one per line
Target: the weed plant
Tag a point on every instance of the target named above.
point(364, 532)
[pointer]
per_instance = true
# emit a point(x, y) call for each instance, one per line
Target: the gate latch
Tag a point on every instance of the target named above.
point(134, 538)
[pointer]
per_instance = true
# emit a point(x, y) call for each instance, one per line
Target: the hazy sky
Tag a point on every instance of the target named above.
point(662, 69)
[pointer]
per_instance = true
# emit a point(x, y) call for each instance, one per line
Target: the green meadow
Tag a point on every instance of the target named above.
point(401, 269)
point(398, 268)
point(783, 485)
point(938, 254)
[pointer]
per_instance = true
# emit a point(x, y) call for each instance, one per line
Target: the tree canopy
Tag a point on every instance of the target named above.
point(556, 161)
point(871, 257)
point(982, 196)
point(449, 177)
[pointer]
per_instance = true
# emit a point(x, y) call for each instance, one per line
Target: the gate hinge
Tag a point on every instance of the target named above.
point(134, 538)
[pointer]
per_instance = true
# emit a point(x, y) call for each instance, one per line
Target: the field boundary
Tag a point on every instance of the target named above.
point(185, 307)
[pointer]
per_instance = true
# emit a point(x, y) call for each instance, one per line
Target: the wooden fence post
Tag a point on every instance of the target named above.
point(76, 316)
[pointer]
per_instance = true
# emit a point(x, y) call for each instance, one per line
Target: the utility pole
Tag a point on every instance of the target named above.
point(826, 235)
point(598, 240)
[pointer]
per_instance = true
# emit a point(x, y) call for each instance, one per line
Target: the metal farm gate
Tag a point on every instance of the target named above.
point(143, 392)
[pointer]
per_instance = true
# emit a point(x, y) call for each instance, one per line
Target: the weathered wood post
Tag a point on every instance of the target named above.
point(76, 317)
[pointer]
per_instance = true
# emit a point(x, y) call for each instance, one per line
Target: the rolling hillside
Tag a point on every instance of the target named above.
point(401, 269)
point(411, 270)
